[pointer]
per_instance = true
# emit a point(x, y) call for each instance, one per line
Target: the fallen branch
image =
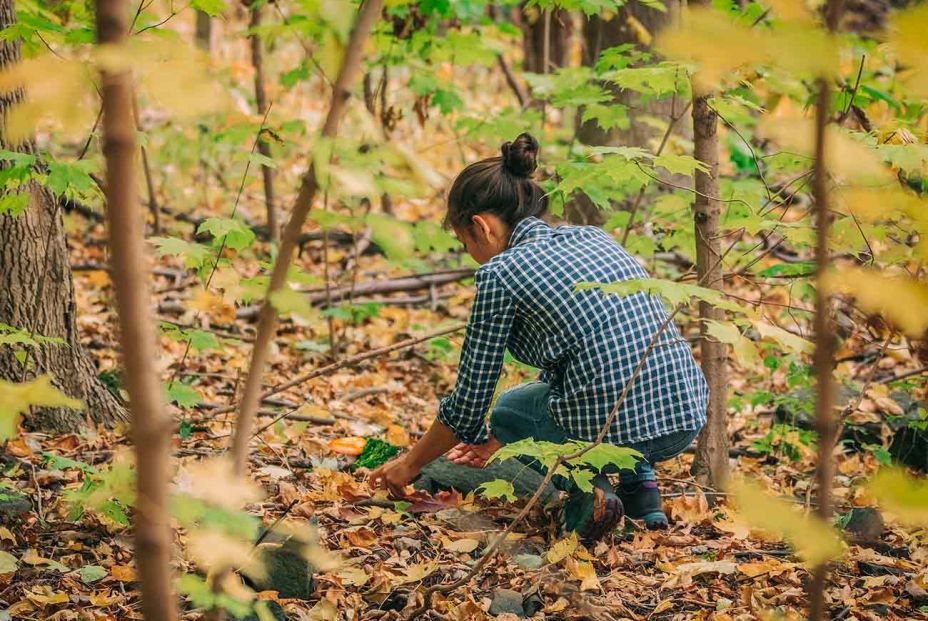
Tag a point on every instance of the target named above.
point(395, 285)
point(326, 370)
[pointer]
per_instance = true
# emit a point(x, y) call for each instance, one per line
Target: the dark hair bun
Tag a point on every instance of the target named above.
point(520, 157)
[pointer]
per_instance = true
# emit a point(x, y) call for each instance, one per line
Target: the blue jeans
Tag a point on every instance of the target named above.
point(522, 412)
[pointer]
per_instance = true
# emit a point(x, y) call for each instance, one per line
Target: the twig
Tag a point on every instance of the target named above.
point(904, 375)
point(341, 364)
point(513, 82)
point(850, 101)
point(673, 122)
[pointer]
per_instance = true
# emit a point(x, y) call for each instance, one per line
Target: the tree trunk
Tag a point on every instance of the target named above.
point(261, 102)
point(561, 30)
point(267, 317)
point(825, 342)
point(710, 466)
point(204, 32)
point(37, 292)
point(151, 423)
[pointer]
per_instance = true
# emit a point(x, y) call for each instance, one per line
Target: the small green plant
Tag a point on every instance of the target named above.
point(787, 440)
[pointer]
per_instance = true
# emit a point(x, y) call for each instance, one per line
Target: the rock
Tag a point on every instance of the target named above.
point(528, 561)
point(287, 569)
point(910, 442)
point(276, 610)
point(443, 474)
point(506, 601)
point(864, 525)
point(466, 521)
point(13, 504)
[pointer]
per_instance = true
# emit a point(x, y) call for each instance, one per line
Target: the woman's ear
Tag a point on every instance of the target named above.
point(482, 230)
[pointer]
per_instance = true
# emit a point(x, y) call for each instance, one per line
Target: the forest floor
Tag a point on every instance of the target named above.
point(706, 566)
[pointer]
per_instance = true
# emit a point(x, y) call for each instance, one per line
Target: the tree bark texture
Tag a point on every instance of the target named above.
point(257, 55)
point(561, 30)
point(267, 318)
point(151, 423)
point(37, 292)
point(204, 32)
point(710, 466)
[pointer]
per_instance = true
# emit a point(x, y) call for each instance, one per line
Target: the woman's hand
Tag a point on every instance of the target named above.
point(474, 455)
point(394, 475)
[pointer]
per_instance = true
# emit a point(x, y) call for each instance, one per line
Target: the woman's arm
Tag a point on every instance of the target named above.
point(397, 474)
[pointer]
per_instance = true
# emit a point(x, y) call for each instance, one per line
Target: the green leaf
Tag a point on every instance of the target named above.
point(604, 454)
point(194, 254)
point(60, 462)
point(498, 488)
point(184, 395)
point(114, 511)
point(213, 8)
point(237, 234)
point(91, 573)
point(674, 293)
point(261, 160)
point(583, 477)
point(290, 302)
point(392, 235)
point(680, 164)
point(201, 340)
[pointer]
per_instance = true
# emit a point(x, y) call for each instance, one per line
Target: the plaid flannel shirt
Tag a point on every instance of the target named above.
point(586, 343)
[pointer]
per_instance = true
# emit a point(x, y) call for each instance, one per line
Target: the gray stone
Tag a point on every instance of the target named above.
point(528, 561)
point(13, 504)
point(864, 525)
point(276, 610)
point(443, 474)
point(287, 569)
point(507, 600)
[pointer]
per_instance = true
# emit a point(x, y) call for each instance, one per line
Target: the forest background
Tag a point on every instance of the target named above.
point(290, 292)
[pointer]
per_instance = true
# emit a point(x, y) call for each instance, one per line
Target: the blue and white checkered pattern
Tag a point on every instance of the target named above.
point(586, 343)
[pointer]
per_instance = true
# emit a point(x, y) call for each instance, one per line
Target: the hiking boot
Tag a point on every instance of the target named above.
point(642, 501)
point(593, 515)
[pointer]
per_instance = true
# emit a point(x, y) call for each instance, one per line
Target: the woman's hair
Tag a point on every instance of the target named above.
point(500, 185)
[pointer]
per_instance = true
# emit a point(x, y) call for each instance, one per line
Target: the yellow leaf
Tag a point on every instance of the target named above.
point(462, 545)
point(787, 339)
point(418, 572)
point(47, 598)
point(169, 71)
point(214, 481)
point(56, 93)
point(217, 551)
point(562, 549)
point(719, 46)
point(902, 300)
point(901, 495)
point(324, 610)
point(663, 606)
point(724, 332)
point(846, 158)
point(640, 31)
point(911, 45)
point(814, 540)
point(585, 573)
point(16, 399)
point(6, 534)
point(770, 566)
point(354, 575)
point(203, 300)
